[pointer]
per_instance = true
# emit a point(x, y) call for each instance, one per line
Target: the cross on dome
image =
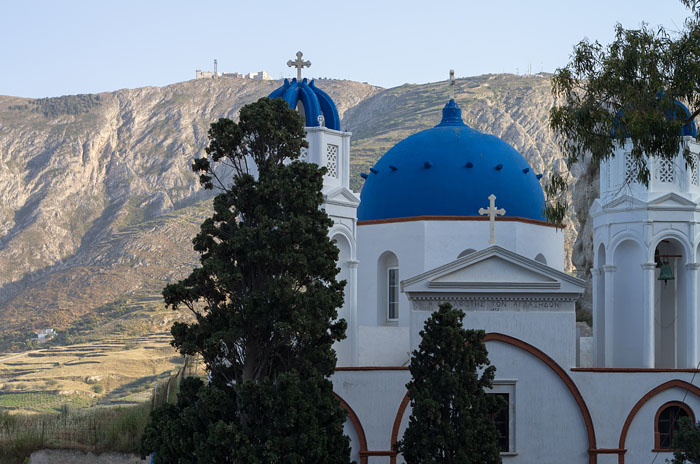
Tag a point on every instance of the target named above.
point(492, 212)
point(452, 84)
point(299, 63)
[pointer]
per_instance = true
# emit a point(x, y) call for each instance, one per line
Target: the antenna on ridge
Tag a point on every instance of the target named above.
point(215, 65)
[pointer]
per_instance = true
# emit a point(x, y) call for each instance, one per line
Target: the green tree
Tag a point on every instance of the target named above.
point(265, 302)
point(627, 91)
point(686, 438)
point(452, 415)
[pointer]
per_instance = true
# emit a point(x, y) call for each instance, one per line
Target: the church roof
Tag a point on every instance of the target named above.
point(450, 170)
point(315, 101)
point(688, 130)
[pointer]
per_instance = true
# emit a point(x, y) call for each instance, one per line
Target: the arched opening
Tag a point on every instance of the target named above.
point(540, 258)
point(599, 306)
point(343, 348)
point(387, 288)
point(466, 252)
point(627, 325)
point(669, 304)
point(301, 110)
point(666, 423)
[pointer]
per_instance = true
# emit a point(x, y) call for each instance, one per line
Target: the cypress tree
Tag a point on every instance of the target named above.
point(452, 415)
point(264, 300)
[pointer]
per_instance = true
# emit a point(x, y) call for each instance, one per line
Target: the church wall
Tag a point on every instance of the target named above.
point(447, 239)
point(549, 427)
point(611, 397)
point(406, 241)
point(640, 436)
point(553, 332)
point(424, 245)
point(375, 396)
point(383, 346)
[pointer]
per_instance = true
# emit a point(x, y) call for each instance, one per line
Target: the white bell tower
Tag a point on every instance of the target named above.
point(645, 274)
point(329, 147)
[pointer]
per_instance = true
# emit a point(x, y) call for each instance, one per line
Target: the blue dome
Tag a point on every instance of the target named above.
point(450, 170)
point(316, 102)
point(688, 129)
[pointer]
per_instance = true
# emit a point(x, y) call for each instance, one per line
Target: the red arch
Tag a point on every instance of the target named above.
point(592, 449)
point(358, 428)
point(652, 393)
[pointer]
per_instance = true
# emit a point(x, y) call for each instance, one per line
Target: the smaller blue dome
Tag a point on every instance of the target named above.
point(316, 102)
point(688, 129)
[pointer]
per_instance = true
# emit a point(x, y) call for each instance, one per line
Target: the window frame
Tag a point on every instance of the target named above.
point(508, 387)
point(388, 293)
point(657, 434)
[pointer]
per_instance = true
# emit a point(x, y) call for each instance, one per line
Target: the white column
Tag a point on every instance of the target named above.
point(648, 343)
point(598, 322)
point(609, 271)
point(691, 311)
point(352, 324)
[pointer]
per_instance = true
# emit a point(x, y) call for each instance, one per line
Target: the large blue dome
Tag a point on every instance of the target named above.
point(450, 170)
point(315, 101)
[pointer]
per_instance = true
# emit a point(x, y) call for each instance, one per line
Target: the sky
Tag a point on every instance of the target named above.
point(62, 47)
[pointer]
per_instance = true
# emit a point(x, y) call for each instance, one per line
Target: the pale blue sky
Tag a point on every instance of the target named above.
point(52, 47)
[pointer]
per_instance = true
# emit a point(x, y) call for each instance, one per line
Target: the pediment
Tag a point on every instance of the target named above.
point(625, 202)
point(341, 196)
point(672, 200)
point(494, 269)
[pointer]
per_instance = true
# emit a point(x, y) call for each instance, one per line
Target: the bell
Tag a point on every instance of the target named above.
point(666, 273)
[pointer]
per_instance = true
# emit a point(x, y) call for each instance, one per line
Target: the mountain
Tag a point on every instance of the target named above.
point(99, 204)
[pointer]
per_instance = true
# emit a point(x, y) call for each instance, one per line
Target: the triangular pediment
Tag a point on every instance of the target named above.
point(494, 269)
point(625, 202)
point(672, 200)
point(341, 196)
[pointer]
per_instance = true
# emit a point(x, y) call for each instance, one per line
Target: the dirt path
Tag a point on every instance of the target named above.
point(20, 355)
point(76, 457)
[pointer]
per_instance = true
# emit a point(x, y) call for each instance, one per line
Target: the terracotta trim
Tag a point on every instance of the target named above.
point(378, 453)
point(573, 389)
point(397, 423)
point(459, 218)
point(607, 451)
point(590, 431)
point(358, 427)
point(652, 393)
point(657, 437)
point(371, 368)
point(627, 370)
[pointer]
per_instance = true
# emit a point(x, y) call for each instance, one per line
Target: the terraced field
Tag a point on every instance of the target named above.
point(118, 371)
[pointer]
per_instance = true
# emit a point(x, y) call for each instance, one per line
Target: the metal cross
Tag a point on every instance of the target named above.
point(299, 63)
point(452, 84)
point(492, 212)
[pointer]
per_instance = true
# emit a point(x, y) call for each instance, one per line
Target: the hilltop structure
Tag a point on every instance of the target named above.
point(451, 214)
point(258, 76)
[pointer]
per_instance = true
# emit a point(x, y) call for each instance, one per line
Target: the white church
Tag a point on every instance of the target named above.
point(451, 214)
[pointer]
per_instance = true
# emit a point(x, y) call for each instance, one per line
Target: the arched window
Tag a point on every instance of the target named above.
point(540, 258)
point(388, 287)
point(466, 252)
point(666, 422)
point(392, 304)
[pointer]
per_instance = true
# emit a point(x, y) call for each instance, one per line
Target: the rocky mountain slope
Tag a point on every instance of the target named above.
point(99, 202)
